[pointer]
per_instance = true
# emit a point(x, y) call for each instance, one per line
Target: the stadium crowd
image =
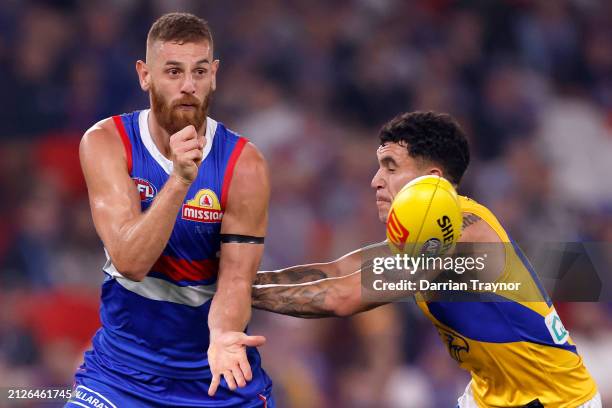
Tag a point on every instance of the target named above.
point(310, 83)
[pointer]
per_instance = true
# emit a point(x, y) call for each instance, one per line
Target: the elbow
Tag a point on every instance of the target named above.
point(133, 275)
point(130, 269)
point(344, 311)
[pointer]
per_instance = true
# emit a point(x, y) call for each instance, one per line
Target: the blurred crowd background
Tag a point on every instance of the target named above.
point(310, 82)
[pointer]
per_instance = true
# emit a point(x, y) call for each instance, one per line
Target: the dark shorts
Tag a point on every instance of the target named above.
point(97, 386)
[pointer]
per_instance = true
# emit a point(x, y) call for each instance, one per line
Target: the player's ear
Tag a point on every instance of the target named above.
point(143, 75)
point(435, 171)
point(214, 68)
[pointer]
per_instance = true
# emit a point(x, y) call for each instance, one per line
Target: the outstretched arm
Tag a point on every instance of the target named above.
point(339, 296)
point(336, 289)
point(344, 266)
point(317, 290)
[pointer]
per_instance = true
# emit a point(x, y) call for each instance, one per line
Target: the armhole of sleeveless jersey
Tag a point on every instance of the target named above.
point(126, 142)
point(229, 170)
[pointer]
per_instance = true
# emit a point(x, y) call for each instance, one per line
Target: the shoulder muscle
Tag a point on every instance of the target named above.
point(249, 192)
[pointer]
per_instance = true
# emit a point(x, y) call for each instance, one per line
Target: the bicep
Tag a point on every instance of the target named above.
point(112, 196)
point(246, 213)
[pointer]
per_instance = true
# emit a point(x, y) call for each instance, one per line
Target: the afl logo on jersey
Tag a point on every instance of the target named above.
point(146, 189)
point(204, 207)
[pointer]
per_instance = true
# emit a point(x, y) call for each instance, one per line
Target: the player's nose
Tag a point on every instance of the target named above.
point(188, 85)
point(377, 181)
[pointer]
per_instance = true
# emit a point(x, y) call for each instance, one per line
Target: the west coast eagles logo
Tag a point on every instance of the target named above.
point(457, 346)
point(204, 207)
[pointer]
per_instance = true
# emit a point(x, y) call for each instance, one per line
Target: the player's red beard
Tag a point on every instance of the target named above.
point(172, 119)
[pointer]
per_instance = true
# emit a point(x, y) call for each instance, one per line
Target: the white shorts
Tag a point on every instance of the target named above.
point(467, 400)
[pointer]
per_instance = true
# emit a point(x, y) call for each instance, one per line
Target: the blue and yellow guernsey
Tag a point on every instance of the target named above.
point(516, 349)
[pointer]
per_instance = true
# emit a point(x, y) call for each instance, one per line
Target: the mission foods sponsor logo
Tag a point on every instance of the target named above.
point(204, 207)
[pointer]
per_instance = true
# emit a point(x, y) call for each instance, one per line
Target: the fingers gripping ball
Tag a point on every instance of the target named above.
point(425, 217)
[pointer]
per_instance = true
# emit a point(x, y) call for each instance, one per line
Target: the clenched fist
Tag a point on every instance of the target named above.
point(186, 153)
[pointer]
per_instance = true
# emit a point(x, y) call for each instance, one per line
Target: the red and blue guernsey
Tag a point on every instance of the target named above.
point(158, 328)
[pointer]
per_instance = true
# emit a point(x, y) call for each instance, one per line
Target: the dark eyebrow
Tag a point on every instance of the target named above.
point(179, 64)
point(386, 161)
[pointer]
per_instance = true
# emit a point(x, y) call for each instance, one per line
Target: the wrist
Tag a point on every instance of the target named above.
point(180, 180)
point(215, 333)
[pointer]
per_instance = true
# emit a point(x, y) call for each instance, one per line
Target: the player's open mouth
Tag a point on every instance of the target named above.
point(185, 106)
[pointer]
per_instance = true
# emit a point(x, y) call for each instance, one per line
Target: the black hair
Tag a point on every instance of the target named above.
point(431, 136)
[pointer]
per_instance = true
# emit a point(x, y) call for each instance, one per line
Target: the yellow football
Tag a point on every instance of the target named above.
point(425, 217)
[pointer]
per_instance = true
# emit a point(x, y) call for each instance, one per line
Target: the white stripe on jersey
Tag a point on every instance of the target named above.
point(159, 289)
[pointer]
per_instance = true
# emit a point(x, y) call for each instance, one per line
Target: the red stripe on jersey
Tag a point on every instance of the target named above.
point(184, 270)
point(264, 399)
point(126, 141)
point(229, 170)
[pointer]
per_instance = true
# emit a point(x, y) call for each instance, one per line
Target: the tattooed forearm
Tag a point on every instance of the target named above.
point(288, 291)
point(317, 290)
point(307, 301)
point(297, 274)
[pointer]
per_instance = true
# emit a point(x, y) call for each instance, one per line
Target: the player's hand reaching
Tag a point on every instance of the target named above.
point(186, 152)
point(227, 357)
